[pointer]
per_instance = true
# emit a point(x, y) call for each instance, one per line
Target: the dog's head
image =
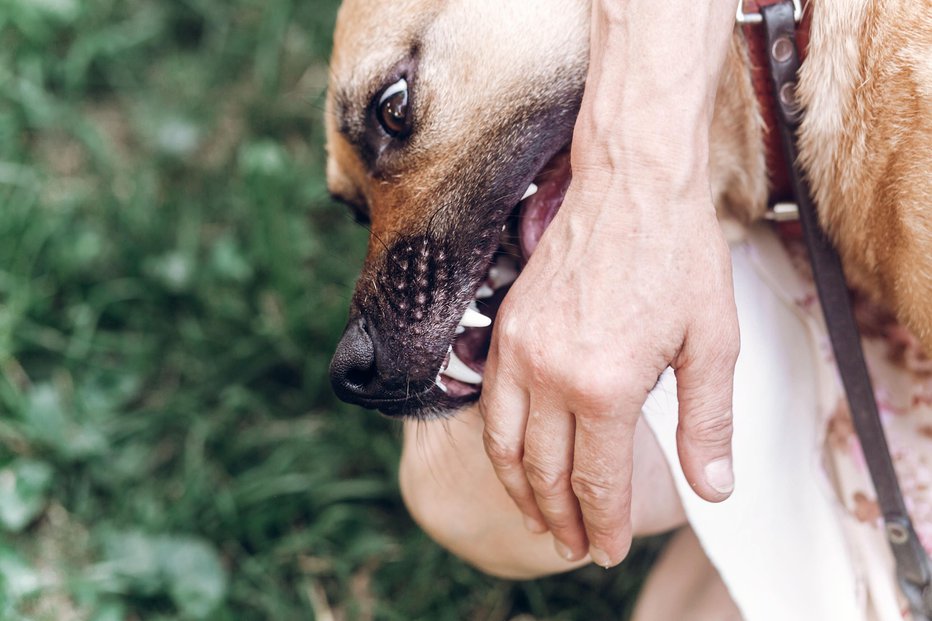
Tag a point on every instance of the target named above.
point(441, 118)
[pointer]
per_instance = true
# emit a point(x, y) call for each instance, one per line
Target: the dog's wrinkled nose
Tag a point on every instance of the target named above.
point(353, 372)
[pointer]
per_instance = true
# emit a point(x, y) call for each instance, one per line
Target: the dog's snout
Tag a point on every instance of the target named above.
point(381, 373)
point(353, 370)
point(401, 324)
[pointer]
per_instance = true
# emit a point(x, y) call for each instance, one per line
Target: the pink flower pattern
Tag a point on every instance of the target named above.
point(902, 375)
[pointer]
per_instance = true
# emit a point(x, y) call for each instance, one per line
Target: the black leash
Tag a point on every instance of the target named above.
point(914, 568)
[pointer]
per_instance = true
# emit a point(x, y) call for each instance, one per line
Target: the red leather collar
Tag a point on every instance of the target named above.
point(777, 166)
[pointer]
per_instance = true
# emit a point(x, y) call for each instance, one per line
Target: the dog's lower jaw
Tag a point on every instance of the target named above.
point(460, 375)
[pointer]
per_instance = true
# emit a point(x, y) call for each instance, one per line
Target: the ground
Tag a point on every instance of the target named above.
point(173, 278)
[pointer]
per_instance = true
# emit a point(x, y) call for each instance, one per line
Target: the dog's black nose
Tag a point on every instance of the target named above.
point(380, 373)
point(353, 371)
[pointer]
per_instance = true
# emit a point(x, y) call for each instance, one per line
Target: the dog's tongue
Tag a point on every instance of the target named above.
point(537, 211)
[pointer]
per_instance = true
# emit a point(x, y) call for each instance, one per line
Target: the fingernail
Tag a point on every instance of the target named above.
point(600, 557)
point(563, 550)
point(719, 475)
point(534, 525)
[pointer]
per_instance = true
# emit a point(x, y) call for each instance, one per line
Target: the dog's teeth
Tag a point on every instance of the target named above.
point(503, 273)
point(446, 360)
point(458, 370)
point(474, 319)
point(460, 330)
point(439, 381)
point(484, 291)
point(531, 191)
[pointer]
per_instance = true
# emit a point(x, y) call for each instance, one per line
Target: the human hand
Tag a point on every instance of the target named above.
point(596, 316)
point(632, 276)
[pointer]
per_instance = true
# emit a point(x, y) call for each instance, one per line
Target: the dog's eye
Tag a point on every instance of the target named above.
point(393, 108)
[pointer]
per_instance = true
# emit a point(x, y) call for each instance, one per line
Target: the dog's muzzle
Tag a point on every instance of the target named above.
point(411, 348)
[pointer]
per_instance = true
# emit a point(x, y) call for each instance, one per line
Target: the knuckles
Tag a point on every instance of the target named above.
point(510, 328)
point(549, 480)
point(501, 452)
point(586, 375)
point(605, 390)
point(709, 429)
point(598, 392)
point(593, 490)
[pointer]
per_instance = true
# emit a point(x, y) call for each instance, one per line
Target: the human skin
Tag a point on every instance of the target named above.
point(452, 492)
point(635, 276)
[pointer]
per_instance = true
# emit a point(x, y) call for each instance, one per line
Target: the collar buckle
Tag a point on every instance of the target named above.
point(755, 18)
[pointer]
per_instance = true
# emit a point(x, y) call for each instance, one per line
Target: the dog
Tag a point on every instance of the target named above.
point(449, 127)
point(439, 131)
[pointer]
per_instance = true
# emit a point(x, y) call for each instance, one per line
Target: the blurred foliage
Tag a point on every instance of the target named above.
point(173, 279)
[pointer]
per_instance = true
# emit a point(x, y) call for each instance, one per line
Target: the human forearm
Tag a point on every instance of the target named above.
point(653, 74)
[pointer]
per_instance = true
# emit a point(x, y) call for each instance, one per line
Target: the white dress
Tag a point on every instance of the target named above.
point(801, 537)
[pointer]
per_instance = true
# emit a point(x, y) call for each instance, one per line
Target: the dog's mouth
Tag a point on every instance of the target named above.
point(460, 375)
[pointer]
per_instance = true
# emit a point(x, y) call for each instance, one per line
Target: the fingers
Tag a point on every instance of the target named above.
point(548, 462)
point(601, 481)
point(705, 383)
point(504, 409)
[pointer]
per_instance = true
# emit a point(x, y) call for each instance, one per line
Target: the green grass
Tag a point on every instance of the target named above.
point(173, 279)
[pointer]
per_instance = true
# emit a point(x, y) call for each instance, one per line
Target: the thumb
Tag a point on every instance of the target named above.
point(705, 371)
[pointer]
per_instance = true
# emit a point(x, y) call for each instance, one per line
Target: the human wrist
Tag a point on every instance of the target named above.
point(649, 175)
point(643, 128)
point(604, 214)
point(643, 166)
point(653, 72)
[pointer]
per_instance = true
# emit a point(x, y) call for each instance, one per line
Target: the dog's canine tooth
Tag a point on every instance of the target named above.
point(531, 191)
point(460, 330)
point(474, 319)
point(484, 291)
point(439, 382)
point(458, 370)
point(446, 360)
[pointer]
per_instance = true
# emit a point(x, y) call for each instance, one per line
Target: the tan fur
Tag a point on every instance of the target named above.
point(455, 93)
point(866, 141)
point(736, 151)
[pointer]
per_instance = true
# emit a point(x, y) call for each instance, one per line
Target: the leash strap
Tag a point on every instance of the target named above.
point(914, 569)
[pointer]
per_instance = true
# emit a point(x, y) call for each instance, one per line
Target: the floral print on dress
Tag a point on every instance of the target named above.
point(902, 376)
